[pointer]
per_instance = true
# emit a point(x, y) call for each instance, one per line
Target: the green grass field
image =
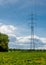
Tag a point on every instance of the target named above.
point(23, 58)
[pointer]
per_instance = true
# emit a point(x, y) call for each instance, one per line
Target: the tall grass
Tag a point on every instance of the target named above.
point(23, 58)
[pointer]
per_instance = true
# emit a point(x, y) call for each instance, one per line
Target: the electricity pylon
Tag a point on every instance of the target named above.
point(32, 32)
point(31, 23)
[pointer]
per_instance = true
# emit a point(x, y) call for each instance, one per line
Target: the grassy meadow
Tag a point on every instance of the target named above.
point(23, 58)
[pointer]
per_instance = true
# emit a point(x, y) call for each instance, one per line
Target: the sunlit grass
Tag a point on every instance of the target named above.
point(23, 58)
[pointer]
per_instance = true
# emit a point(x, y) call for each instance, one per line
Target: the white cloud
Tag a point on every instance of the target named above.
point(42, 47)
point(24, 39)
point(43, 40)
point(7, 29)
point(28, 39)
point(26, 42)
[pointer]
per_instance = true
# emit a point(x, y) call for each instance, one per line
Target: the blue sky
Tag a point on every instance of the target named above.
point(17, 14)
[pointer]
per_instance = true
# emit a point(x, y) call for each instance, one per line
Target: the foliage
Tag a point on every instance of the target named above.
point(3, 42)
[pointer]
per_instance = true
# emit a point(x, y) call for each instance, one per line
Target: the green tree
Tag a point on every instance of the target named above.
point(4, 39)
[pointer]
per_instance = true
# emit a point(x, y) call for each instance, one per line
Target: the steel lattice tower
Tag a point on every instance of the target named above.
point(32, 24)
point(32, 32)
